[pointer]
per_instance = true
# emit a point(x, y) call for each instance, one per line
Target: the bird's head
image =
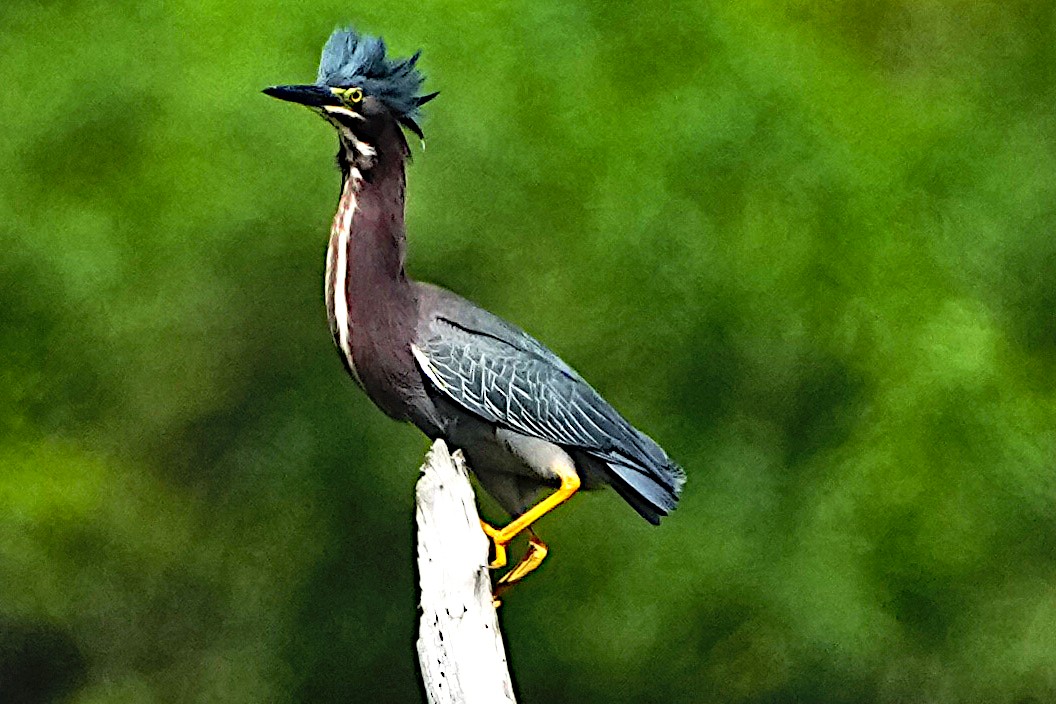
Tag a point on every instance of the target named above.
point(360, 91)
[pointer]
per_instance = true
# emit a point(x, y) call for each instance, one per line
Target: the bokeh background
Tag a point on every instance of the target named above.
point(808, 246)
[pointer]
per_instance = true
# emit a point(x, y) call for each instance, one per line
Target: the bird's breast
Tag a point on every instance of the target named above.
point(338, 268)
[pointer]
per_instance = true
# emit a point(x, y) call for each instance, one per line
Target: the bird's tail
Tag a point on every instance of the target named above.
point(648, 480)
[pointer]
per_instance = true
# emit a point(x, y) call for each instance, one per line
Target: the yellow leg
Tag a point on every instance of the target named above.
point(537, 550)
point(569, 486)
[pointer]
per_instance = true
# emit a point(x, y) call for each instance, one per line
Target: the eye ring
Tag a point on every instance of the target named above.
point(354, 95)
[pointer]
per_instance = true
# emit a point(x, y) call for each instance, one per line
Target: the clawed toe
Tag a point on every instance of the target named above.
point(497, 544)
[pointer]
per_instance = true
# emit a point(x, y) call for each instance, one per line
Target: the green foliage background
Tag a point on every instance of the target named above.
point(808, 246)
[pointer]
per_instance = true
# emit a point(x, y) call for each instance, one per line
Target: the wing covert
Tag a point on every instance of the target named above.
point(518, 390)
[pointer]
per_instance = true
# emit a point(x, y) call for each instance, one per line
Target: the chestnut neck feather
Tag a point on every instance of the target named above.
point(370, 302)
point(374, 169)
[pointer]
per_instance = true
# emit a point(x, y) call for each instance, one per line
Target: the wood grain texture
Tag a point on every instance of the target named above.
point(460, 648)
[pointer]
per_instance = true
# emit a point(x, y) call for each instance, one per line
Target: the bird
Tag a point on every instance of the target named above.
point(532, 430)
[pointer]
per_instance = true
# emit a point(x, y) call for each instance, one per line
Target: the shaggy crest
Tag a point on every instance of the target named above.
point(350, 58)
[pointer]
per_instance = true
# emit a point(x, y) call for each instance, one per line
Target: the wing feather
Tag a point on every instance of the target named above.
point(517, 388)
point(501, 374)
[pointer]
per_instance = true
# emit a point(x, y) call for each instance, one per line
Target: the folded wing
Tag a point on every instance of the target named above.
point(508, 378)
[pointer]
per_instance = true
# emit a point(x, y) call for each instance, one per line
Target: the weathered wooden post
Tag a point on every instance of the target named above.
point(460, 648)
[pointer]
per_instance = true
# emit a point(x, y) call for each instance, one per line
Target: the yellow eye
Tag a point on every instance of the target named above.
point(353, 95)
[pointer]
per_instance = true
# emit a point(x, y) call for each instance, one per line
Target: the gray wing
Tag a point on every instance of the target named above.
point(503, 375)
point(516, 389)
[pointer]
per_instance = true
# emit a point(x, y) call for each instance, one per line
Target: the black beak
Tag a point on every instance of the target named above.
point(312, 96)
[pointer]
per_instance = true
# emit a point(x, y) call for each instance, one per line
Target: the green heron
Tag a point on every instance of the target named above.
point(525, 421)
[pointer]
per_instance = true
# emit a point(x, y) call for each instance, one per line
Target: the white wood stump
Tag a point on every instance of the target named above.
point(460, 647)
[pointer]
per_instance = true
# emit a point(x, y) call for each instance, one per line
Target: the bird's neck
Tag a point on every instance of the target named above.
point(369, 219)
point(369, 300)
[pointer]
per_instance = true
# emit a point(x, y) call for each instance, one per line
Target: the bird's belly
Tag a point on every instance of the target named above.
point(514, 469)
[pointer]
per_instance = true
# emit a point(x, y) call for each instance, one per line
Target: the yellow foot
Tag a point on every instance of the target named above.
point(495, 535)
point(537, 552)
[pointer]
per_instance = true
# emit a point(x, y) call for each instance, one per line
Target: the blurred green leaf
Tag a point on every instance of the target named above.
point(806, 245)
